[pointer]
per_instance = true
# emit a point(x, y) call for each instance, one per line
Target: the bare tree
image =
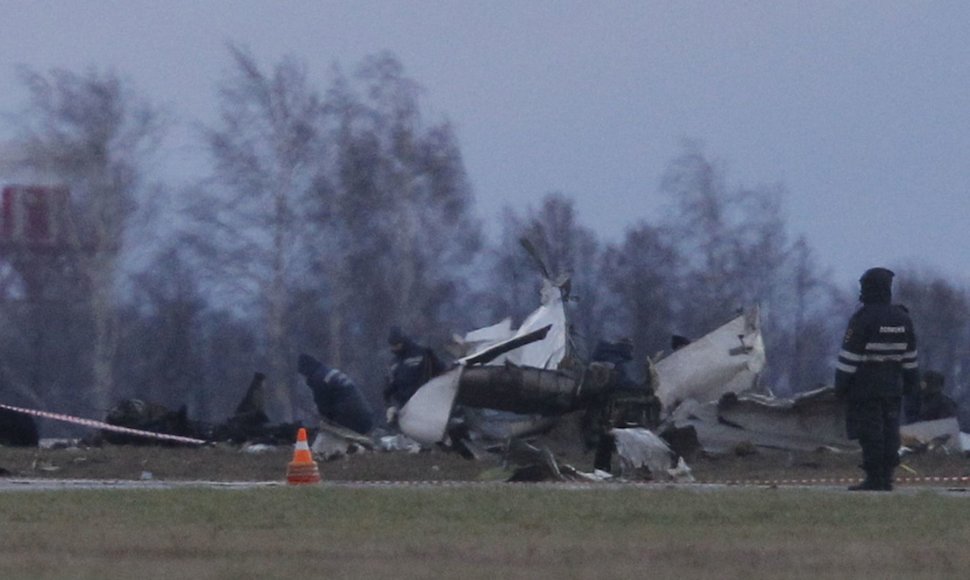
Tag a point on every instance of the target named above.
point(91, 133)
point(162, 344)
point(511, 280)
point(395, 214)
point(733, 242)
point(249, 217)
point(941, 313)
point(639, 279)
point(809, 319)
point(736, 254)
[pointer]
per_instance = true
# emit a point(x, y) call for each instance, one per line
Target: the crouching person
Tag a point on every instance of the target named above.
point(338, 399)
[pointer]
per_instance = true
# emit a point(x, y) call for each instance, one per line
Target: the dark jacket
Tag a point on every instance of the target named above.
point(878, 357)
point(337, 397)
point(413, 366)
point(936, 405)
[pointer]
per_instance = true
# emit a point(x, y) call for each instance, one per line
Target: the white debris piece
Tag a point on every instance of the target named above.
point(944, 433)
point(256, 448)
point(639, 447)
point(399, 442)
point(681, 473)
point(335, 440)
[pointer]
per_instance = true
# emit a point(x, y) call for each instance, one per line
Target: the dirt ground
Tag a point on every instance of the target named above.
point(221, 462)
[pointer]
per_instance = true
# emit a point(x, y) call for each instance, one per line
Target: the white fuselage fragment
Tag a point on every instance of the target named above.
point(726, 360)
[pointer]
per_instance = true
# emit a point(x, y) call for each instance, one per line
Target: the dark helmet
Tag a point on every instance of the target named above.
point(615, 352)
point(306, 365)
point(400, 343)
point(876, 286)
point(678, 342)
point(396, 336)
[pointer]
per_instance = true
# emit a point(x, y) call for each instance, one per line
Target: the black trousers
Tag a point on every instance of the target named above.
point(875, 423)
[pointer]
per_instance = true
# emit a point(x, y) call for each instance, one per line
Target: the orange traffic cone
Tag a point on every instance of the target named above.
point(303, 469)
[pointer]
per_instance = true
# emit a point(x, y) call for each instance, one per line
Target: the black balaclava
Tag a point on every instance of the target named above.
point(400, 343)
point(876, 286)
point(396, 336)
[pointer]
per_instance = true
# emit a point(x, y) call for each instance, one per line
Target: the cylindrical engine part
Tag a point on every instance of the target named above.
point(521, 389)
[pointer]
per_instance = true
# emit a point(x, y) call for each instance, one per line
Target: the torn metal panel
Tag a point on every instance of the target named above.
point(425, 416)
point(477, 340)
point(492, 425)
point(544, 354)
point(727, 360)
point(548, 353)
point(807, 422)
point(500, 348)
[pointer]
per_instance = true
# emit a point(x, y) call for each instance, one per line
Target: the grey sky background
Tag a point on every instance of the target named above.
point(860, 110)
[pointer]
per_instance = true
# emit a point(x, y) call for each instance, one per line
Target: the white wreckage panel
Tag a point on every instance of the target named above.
point(807, 422)
point(425, 416)
point(727, 360)
point(544, 354)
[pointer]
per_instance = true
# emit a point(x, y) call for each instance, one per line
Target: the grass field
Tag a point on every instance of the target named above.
point(500, 531)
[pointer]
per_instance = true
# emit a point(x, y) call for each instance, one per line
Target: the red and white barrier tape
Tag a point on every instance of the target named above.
point(837, 481)
point(103, 425)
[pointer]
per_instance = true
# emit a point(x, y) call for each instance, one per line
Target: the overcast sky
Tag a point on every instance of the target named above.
point(860, 110)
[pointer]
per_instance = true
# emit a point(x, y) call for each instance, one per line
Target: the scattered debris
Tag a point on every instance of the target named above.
point(334, 441)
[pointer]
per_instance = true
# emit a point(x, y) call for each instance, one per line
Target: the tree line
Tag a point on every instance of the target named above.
point(327, 216)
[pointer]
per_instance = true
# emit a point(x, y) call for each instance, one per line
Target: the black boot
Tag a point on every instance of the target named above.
point(868, 484)
point(887, 479)
point(873, 480)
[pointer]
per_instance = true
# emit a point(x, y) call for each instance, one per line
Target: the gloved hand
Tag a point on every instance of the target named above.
point(391, 415)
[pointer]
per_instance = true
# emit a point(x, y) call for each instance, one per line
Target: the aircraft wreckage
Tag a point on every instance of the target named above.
point(519, 382)
point(511, 383)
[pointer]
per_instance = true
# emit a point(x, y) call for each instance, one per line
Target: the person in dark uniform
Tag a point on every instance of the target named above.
point(337, 397)
point(933, 402)
point(626, 404)
point(413, 366)
point(877, 365)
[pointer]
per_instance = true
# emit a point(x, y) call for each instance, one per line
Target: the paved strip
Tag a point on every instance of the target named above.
point(28, 484)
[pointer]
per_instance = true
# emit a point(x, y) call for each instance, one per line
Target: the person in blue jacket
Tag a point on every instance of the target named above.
point(338, 398)
point(413, 366)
